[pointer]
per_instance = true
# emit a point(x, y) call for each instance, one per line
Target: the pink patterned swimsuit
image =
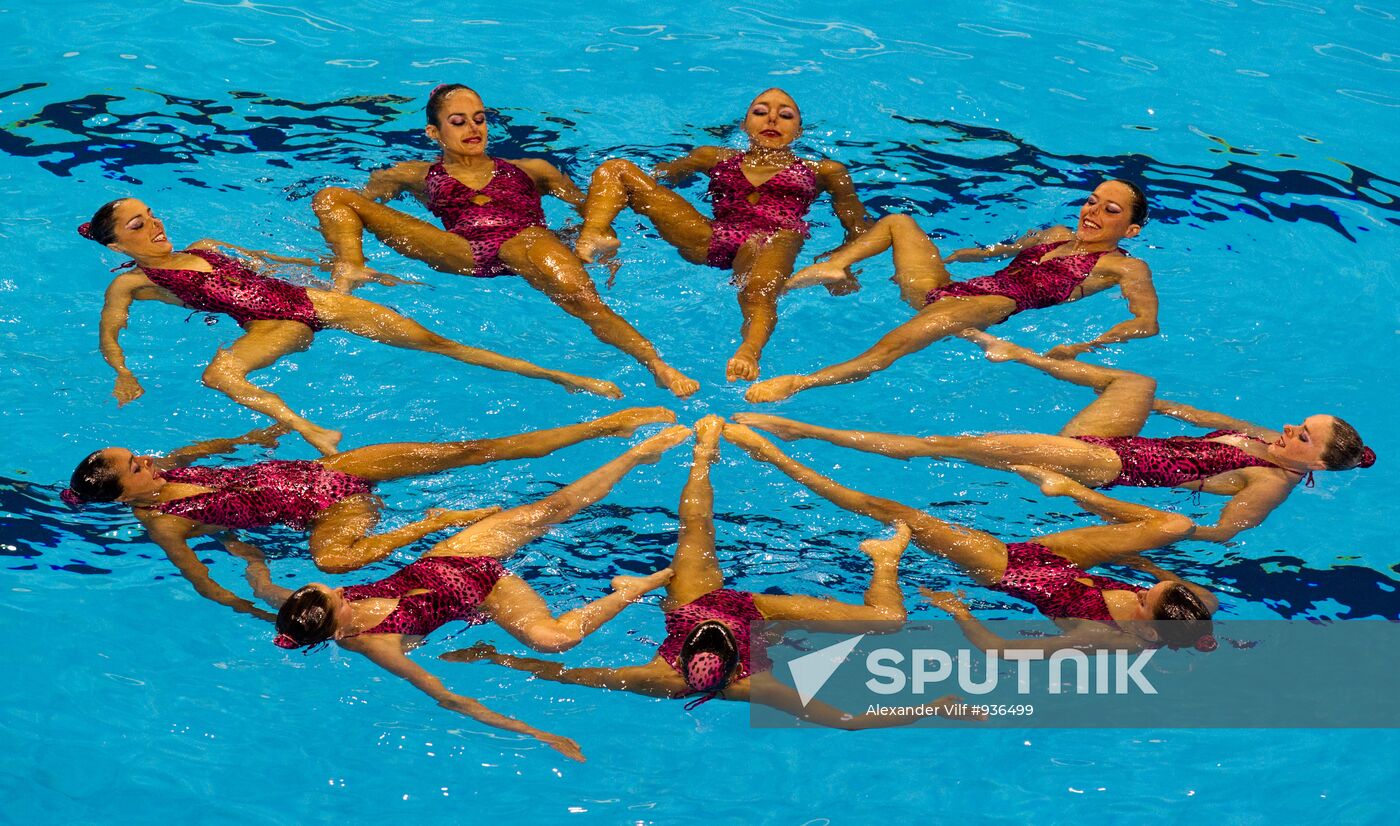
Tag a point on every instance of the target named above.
point(735, 609)
point(1167, 463)
point(279, 492)
point(743, 210)
point(1052, 584)
point(456, 586)
point(235, 290)
point(486, 217)
point(1028, 281)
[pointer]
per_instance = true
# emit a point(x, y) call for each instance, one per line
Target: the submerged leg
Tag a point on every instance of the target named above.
point(264, 343)
point(940, 320)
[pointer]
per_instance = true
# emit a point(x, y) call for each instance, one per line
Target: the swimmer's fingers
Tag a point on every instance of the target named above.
point(950, 601)
point(564, 746)
point(393, 280)
point(267, 436)
point(613, 264)
point(474, 653)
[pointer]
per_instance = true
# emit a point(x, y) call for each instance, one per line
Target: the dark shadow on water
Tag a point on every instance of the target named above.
point(39, 536)
point(954, 165)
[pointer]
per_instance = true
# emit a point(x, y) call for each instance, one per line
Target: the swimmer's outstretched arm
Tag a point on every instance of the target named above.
point(1246, 509)
point(655, 679)
point(1211, 420)
point(1083, 634)
point(116, 312)
point(550, 180)
point(387, 184)
point(189, 454)
point(257, 573)
point(172, 534)
point(1006, 249)
point(845, 203)
point(764, 688)
point(699, 159)
point(1135, 281)
point(258, 258)
point(386, 651)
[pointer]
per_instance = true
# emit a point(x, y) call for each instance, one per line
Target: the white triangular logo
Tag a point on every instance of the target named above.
point(811, 671)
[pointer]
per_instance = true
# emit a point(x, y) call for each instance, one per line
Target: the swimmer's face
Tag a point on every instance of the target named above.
point(340, 606)
point(1107, 215)
point(137, 475)
point(139, 233)
point(773, 120)
point(461, 128)
point(1301, 446)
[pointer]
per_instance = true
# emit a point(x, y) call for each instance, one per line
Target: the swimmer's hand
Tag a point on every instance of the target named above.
point(961, 255)
point(564, 746)
point(475, 653)
point(127, 389)
point(599, 245)
point(265, 436)
point(349, 276)
point(949, 601)
point(1072, 351)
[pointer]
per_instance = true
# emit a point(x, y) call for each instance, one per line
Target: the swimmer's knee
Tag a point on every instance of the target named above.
point(899, 220)
point(221, 373)
point(551, 638)
point(330, 198)
point(1174, 525)
point(616, 168)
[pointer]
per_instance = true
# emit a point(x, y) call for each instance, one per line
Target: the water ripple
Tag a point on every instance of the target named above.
point(313, 20)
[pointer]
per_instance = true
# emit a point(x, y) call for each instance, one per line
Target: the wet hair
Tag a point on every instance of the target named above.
point(1139, 211)
point(1182, 619)
point(95, 480)
point(305, 618)
point(439, 95)
point(710, 637)
point(103, 226)
point(1346, 450)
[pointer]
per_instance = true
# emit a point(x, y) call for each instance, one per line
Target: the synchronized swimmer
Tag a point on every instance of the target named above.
point(493, 225)
point(760, 196)
point(1051, 266)
point(492, 219)
point(278, 317)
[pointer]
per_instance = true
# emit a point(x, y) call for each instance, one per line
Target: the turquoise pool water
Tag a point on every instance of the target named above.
point(1262, 129)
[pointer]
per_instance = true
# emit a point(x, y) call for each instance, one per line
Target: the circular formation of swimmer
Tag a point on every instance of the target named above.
point(493, 225)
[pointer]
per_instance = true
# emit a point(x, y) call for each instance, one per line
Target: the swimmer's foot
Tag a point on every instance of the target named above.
point(775, 389)
point(596, 245)
point(625, 422)
point(887, 550)
point(997, 349)
point(707, 433)
point(632, 587)
point(743, 365)
point(754, 444)
point(460, 519)
point(650, 450)
point(1050, 482)
point(785, 429)
point(823, 273)
point(674, 380)
point(324, 439)
point(598, 387)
